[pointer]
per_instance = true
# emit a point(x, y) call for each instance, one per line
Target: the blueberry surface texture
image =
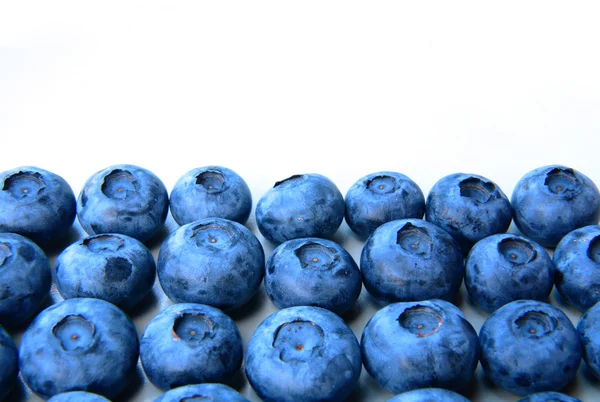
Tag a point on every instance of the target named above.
point(78, 396)
point(37, 204)
point(111, 267)
point(382, 197)
point(123, 199)
point(528, 346)
point(25, 279)
point(79, 345)
point(429, 395)
point(506, 267)
point(409, 260)
point(8, 363)
point(190, 344)
point(551, 201)
point(305, 205)
point(303, 354)
point(212, 261)
point(469, 207)
point(589, 332)
point(210, 192)
point(549, 397)
point(423, 344)
point(312, 272)
point(200, 392)
point(577, 261)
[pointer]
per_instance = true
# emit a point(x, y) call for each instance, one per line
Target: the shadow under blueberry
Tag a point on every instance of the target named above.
point(19, 392)
point(247, 310)
point(60, 243)
point(158, 238)
point(136, 381)
point(146, 305)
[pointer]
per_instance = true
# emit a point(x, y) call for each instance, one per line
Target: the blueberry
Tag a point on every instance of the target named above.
point(303, 354)
point(549, 397)
point(212, 261)
point(551, 201)
point(589, 332)
point(429, 395)
point(200, 392)
point(306, 205)
point(123, 199)
point(529, 346)
point(411, 259)
point(190, 344)
point(78, 396)
point(506, 267)
point(422, 344)
point(24, 279)
point(8, 363)
point(210, 192)
point(79, 345)
point(577, 260)
point(382, 197)
point(111, 267)
point(327, 275)
point(469, 207)
point(36, 203)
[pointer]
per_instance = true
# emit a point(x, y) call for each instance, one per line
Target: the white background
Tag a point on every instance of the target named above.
point(276, 88)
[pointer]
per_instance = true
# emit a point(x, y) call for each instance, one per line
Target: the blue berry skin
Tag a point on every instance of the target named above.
point(8, 363)
point(37, 204)
point(111, 267)
point(549, 397)
point(529, 346)
point(423, 344)
point(312, 272)
point(25, 279)
point(429, 395)
point(79, 345)
point(382, 197)
point(306, 205)
point(577, 260)
point(212, 392)
point(409, 260)
point(210, 192)
point(551, 201)
point(506, 267)
point(78, 396)
point(589, 332)
point(212, 261)
point(303, 354)
point(123, 199)
point(190, 344)
point(469, 207)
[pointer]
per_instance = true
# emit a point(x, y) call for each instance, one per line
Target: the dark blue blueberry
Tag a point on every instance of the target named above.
point(210, 192)
point(78, 396)
point(422, 344)
point(36, 203)
point(201, 392)
point(306, 205)
point(79, 345)
point(551, 201)
point(190, 344)
point(212, 261)
point(589, 332)
point(8, 363)
point(382, 197)
point(123, 199)
point(111, 267)
point(529, 346)
point(24, 279)
point(506, 267)
point(429, 395)
point(411, 259)
point(303, 354)
point(469, 207)
point(577, 260)
point(549, 397)
point(312, 272)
